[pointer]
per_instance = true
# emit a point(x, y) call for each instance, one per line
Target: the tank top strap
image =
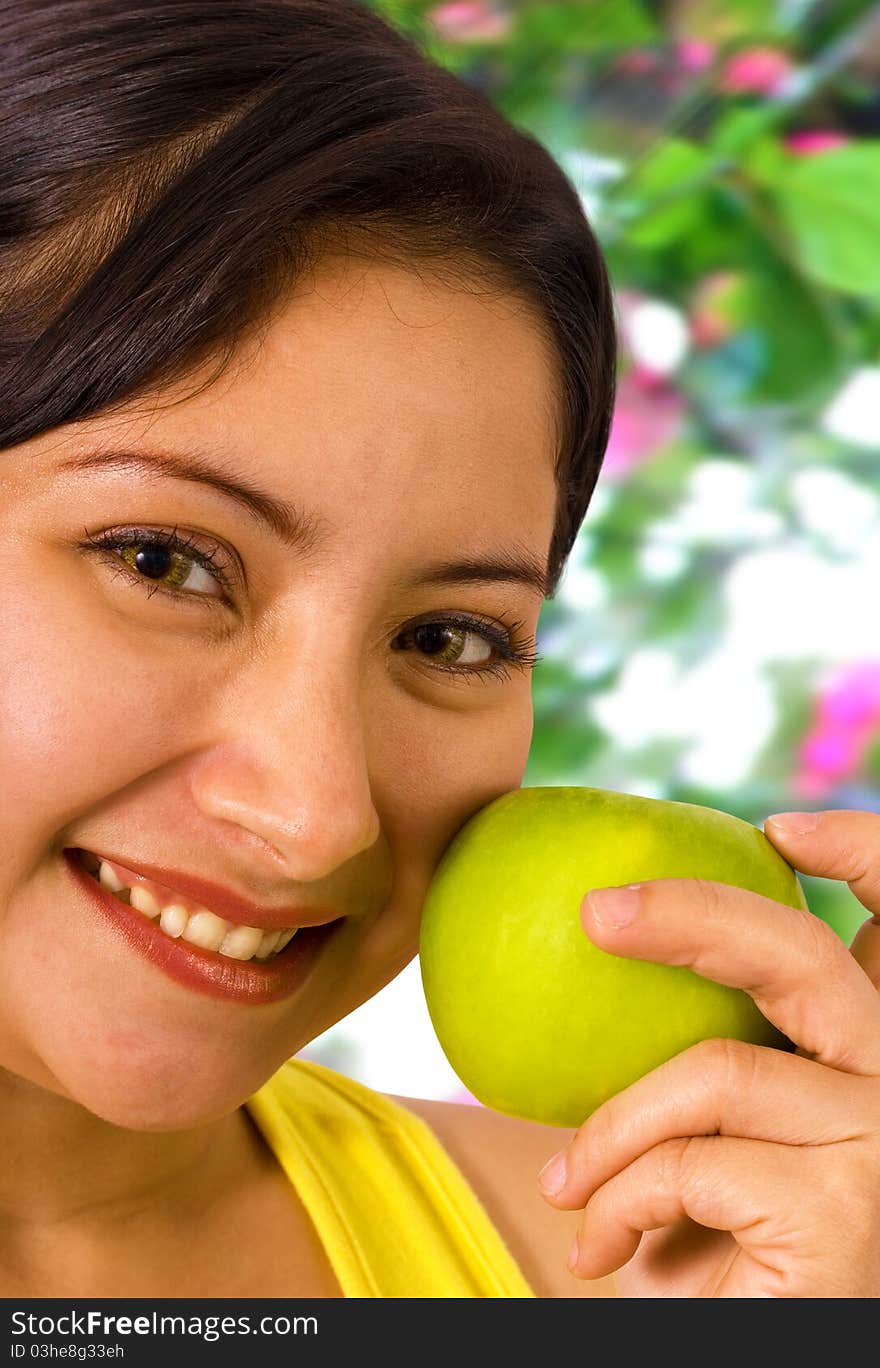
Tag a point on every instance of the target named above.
point(395, 1214)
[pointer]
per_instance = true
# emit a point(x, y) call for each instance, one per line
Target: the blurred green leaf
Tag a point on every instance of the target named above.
point(562, 746)
point(666, 223)
point(765, 159)
point(800, 344)
point(738, 129)
point(666, 168)
point(661, 198)
point(588, 27)
point(676, 606)
point(727, 19)
point(830, 205)
point(793, 687)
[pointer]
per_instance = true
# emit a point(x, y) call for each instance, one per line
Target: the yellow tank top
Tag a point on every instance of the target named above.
point(396, 1216)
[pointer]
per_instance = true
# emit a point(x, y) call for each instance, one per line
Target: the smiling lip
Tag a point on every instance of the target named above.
point(220, 900)
point(207, 971)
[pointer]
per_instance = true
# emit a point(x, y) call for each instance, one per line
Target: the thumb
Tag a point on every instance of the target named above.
point(843, 844)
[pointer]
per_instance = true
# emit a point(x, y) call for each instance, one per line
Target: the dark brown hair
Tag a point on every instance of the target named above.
point(169, 169)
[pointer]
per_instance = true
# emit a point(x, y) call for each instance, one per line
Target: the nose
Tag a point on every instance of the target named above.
point(291, 766)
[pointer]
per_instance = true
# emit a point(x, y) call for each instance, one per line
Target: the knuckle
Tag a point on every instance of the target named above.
point(849, 1185)
point(709, 894)
point(823, 946)
point(674, 1159)
point(594, 1134)
point(728, 1066)
point(852, 853)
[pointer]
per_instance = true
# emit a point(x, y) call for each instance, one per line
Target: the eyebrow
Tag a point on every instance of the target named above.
point(297, 530)
point(289, 524)
point(508, 567)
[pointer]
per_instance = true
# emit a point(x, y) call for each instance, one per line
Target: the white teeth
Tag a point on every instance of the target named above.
point(173, 919)
point(108, 879)
point(241, 942)
point(206, 929)
point(143, 900)
point(267, 944)
point(200, 927)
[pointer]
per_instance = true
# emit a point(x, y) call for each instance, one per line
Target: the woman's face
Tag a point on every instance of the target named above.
point(305, 733)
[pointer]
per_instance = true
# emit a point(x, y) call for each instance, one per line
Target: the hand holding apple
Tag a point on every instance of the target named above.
point(537, 1020)
point(731, 1169)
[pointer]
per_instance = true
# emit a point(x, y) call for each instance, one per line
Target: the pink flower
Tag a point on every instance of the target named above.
point(808, 141)
point(846, 718)
point(755, 71)
point(832, 754)
point(694, 55)
point(469, 19)
point(853, 700)
point(648, 414)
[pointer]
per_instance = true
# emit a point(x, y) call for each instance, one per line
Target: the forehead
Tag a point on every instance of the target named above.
point(393, 343)
point(373, 385)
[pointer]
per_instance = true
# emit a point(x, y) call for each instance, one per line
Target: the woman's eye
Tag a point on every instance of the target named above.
point(163, 561)
point(468, 648)
point(450, 644)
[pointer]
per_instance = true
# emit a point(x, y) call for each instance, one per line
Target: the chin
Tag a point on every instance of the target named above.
point(136, 1085)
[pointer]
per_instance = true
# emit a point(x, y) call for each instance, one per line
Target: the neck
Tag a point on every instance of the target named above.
point(66, 1169)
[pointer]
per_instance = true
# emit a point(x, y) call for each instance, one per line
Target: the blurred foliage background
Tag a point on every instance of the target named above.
point(715, 639)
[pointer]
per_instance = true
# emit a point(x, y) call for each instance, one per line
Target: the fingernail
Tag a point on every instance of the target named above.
point(615, 906)
point(574, 1253)
point(798, 822)
point(553, 1176)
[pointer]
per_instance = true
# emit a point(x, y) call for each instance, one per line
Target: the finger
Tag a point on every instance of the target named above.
point(718, 1087)
point(797, 970)
point(701, 1178)
point(843, 844)
point(865, 949)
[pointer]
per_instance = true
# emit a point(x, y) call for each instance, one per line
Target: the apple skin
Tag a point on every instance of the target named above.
point(535, 1019)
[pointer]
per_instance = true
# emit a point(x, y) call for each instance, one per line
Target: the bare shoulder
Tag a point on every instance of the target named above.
point(501, 1157)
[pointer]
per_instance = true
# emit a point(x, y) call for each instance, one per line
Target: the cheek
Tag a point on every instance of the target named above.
point(81, 714)
point(433, 769)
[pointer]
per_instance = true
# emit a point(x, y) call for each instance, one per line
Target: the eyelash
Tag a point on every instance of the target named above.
point(514, 654)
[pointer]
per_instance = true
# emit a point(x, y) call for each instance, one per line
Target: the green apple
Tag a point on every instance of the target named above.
point(535, 1019)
